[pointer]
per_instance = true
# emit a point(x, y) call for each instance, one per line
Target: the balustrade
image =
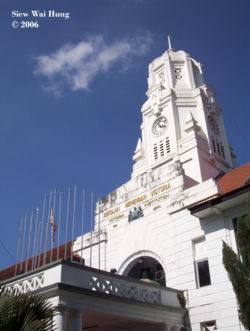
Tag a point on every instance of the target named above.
point(124, 289)
point(28, 284)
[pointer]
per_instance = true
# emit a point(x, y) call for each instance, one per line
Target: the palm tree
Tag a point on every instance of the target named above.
point(24, 312)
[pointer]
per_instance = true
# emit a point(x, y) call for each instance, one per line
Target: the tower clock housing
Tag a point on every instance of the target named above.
point(181, 120)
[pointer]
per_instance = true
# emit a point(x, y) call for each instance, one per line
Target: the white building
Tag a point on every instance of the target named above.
point(167, 223)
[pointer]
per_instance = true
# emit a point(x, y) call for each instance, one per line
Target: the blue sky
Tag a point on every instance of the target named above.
point(71, 90)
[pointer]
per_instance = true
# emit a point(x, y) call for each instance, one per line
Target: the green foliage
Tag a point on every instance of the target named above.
point(182, 299)
point(243, 237)
point(239, 270)
point(25, 312)
point(238, 275)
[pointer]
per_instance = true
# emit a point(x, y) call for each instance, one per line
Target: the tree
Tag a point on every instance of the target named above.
point(25, 312)
point(238, 269)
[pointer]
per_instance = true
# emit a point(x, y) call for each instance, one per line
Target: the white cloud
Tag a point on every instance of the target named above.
point(78, 65)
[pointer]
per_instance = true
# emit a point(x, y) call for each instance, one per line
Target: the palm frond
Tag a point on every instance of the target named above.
point(25, 312)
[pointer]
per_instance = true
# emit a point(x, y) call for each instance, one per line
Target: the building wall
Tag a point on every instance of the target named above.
point(169, 236)
point(164, 182)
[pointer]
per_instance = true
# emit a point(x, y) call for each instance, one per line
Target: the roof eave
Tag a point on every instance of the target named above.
point(220, 204)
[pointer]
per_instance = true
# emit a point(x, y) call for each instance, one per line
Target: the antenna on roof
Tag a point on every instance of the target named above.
point(169, 43)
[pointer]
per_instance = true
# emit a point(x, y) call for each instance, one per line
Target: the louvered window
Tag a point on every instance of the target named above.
point(161, 148)
point(218, 147)
point(214, 146)
point(167, 145)
point(155, 152)
point(222, 150)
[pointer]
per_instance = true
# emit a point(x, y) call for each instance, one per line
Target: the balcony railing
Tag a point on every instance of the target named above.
point(74, 274)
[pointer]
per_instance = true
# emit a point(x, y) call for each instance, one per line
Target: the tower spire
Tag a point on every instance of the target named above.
point(169, 43)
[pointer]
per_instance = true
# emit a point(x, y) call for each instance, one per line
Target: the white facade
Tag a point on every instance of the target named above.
point(87, 298)
point(183, 147)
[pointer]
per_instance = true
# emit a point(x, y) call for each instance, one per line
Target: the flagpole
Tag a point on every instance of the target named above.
point(18, 245)
point(91, 235)
point(82, 225)
point(99, 235)
point(41, 235)
point(24, 234)
point(52, 226)
point(67, 224)
point(59, 224)
point(73, 222)
point(28, 247)
point(47, 230)
point(38, 241)
point(34, 239)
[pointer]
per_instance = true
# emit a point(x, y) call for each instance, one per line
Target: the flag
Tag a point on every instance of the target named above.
point(53, 228)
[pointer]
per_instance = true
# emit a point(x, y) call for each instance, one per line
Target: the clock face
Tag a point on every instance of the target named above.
point(160, 126)
point(213, 125)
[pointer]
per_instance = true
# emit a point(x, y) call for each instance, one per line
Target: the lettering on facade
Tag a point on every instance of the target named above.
point(157, 207)
point(160, 189)
point(116, 218)
point(139, 199)
point(111, 212)
point(135, 201)
point(151, 202)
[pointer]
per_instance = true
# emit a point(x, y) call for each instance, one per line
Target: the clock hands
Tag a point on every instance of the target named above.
point(160, 125)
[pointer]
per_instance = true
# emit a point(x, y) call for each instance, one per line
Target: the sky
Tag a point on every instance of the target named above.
point(71, 90)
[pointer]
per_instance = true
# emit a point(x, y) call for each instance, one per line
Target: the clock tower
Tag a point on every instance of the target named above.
point(160, 225)
point(182, 121)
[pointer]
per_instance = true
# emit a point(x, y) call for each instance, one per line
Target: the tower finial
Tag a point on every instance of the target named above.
point(169, 43)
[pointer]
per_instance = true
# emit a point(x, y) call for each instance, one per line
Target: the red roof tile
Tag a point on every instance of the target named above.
point(234, 179)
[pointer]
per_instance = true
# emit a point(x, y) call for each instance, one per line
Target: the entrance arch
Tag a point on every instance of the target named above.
point(144, 265)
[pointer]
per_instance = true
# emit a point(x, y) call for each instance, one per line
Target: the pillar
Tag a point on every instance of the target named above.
point(75, 320)
point(60, 319)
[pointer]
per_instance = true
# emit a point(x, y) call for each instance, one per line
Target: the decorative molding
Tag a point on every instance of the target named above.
point(28, 284)
point(125, 290)
point(135, 214)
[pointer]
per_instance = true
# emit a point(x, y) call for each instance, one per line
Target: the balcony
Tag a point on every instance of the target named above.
point(86, 296)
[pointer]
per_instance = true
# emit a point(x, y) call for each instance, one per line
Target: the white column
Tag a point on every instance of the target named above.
point(60, 319)
point(75, 320)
